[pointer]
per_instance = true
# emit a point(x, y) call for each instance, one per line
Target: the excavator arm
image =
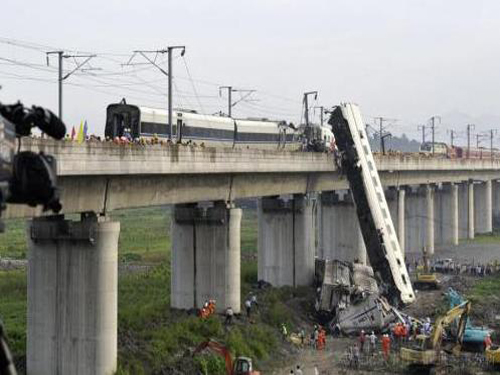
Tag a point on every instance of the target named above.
point(218, 349)
point(442, 322)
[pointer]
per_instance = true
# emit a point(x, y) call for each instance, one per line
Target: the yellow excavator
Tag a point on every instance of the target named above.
point(425, 278)
point(425, 352)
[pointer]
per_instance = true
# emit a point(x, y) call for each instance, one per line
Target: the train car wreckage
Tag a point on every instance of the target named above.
point(356, 296)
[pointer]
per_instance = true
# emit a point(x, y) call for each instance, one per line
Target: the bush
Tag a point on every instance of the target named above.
point(210, 364)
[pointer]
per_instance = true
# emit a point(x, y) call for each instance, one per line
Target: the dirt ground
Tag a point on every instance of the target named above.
point(331, 361)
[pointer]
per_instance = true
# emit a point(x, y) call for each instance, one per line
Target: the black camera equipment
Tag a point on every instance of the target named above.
point(27, 177)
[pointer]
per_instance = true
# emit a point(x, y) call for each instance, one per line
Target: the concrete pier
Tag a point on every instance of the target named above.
point(463, 209)
point(72, 296)
point(429, 200)
point(340, 235)
point(446, 228)
point(483, 207)
point(495, 203)
point(415, 213)
point(286, 241)
point(206, 256)
point(470, 210)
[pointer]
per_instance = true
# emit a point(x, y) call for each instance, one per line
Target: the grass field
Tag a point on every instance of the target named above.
point(152, 337)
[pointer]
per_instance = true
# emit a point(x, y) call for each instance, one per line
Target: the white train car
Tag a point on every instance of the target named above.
point(144, 122)
point(380, 238)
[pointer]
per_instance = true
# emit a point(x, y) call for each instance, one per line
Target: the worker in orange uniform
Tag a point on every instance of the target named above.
point(386, 346)
point(320, 345)
point(487, 342)
point(211, 307)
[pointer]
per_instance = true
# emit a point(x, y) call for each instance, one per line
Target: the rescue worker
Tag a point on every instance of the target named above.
point(248, 306)
point(487, 342)
point(302, 336)
point(229, 316)
point(427, 326)
point(373, 342)
point(386, 346)
point(362, 339)
point(320, 345)
point(284, 331)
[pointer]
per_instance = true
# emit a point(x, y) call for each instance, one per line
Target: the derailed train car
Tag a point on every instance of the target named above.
point(348, 297)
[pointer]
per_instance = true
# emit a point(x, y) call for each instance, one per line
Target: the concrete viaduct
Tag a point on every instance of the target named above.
point(303, 201)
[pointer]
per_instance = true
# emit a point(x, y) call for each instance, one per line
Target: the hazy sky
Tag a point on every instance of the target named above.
point(406, 60)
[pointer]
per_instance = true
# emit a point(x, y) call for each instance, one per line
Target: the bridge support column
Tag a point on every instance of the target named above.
point(446, 215)
point(463, 208)
point(429, 199)
point(72, 296)
point(340, 235)
point(470, 210)
point(495, 192)
point(483, 214)
point(286, 241)
point(415, 212)
point(206, 256)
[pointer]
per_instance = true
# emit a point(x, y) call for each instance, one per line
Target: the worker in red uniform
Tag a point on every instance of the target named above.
point(487, 342)
point(362, 340)
point(386, 346)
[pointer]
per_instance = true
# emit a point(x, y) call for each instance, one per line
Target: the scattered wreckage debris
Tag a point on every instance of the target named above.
point(348, 298)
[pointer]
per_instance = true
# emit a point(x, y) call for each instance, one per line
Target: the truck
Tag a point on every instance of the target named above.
point(355, 160)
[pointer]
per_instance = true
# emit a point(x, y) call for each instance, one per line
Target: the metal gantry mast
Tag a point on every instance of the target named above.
point(169, 51)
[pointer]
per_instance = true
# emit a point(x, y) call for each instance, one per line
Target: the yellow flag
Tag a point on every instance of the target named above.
point(79, 138)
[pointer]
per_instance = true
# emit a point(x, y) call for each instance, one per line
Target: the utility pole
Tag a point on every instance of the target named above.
point(306, 105)
point(492, 133)
point(469, 128)
point(59, 79)
point(422, 127)
point(169, 51)
point(453, 135)
point(433, 127)
point(60, 56)
point(381, 135)
point(230, 103)
point(322, 109)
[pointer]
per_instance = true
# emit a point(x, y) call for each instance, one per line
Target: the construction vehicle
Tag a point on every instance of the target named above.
point(473, 336)
point(425, 352)
point(356, 162)
point(493, 355)
point(240, 366)
point(425, 279)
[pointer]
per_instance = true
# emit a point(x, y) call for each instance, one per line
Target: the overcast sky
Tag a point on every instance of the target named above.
point(407, 60)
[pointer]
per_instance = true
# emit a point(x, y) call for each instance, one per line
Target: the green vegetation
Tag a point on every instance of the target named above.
point(485, 238)
point(152, 337)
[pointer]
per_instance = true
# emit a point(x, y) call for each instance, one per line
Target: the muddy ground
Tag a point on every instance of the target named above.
point(332, 360)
